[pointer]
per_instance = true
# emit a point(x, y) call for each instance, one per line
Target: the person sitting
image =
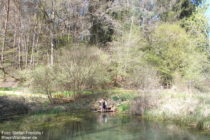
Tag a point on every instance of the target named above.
point(103, 105)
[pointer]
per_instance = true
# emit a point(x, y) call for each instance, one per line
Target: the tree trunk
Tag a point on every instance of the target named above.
point(52, 53)
point(49, 95)
point(19, 53)
point(32, 50)
point(5, 31)
point(14, 46)
point(26, 50)
point(52, 37)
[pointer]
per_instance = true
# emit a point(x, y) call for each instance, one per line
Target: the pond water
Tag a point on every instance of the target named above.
point(95, 126)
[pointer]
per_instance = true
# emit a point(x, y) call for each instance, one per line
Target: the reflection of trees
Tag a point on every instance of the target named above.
point(76, 128)
point(89, 132)
point(89, 128)
point(69, 129)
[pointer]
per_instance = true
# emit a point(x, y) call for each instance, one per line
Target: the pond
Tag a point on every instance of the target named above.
point(94, 126)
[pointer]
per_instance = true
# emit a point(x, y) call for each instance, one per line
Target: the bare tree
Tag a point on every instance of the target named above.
point(5, 30)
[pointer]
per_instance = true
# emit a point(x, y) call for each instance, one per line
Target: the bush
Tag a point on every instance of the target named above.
point(171, 52)
point(77, 69)
point(129, 69)
point(145, 78)
point(144, 103)
point(81, 68)
point(44, 81)
point(24, 76)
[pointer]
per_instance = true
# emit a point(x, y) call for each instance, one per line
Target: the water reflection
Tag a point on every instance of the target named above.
point(105, 126)
point(102, 118)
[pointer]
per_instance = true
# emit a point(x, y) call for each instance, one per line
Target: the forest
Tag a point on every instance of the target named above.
point(81, 44)
point(146, 57)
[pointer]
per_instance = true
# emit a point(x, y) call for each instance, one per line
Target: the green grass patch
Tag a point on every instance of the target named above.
point(122, 94)
point(8, 89)
point(124, 107)
point(123, 97)
point(6, 94)
point(65, 94)
point(121, 91)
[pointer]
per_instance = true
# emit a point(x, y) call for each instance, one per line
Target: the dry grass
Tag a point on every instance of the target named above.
point(181, 108)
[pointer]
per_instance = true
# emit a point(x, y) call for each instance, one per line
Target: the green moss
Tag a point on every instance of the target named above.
point(124, 107)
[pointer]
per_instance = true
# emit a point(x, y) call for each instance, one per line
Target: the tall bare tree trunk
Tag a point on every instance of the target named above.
point(37, 49)
point(14, 46)
point(52, 36)
point(5, 31)
point(32, 50)
point(19, 52)
point(48, 59)
point(52, 52)
point(26, 50)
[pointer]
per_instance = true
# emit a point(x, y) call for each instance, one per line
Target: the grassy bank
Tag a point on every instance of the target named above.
point(180, 108)
point(169, 106)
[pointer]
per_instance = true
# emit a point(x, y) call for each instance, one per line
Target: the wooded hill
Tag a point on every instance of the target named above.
point(90, 44)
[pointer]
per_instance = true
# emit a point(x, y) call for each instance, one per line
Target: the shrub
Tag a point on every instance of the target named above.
point(145, 78)
point(171, 52)
point(77, 69)
point(128, 67)
point(24, 76)
point(44, 81)
point(81, 68)
point(144, 103)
